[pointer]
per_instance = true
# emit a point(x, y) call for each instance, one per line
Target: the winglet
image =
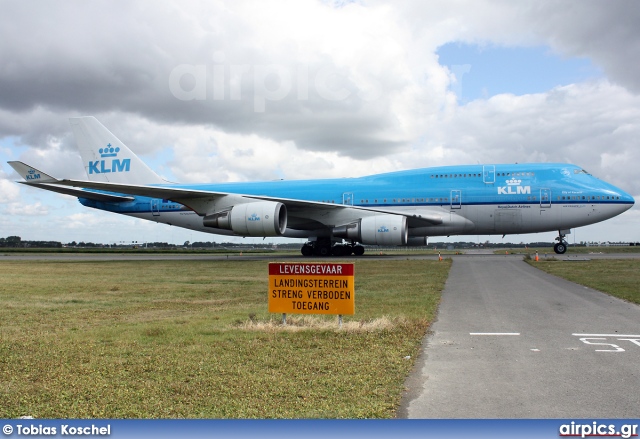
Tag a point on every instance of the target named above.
point(30, 174)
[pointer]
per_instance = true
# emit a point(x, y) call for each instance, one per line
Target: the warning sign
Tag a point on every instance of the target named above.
point(311, 288)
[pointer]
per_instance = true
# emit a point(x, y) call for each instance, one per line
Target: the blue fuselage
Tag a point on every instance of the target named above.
point(519, 198)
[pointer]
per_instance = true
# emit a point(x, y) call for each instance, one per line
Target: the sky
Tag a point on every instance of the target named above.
point(215, 91)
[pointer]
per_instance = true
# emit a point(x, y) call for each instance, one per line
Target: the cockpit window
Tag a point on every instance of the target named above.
point(580, 171)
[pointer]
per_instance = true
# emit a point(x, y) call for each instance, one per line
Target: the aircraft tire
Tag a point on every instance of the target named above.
point(306, 250)
point(358, 250)
point(560, 248)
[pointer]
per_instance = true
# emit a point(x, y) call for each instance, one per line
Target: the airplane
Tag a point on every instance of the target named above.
point(339, 216)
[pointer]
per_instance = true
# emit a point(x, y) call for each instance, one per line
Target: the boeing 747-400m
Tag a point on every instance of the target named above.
point(336, 216)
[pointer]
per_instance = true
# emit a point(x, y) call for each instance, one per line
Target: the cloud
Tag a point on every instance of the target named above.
point(356, 80)
point(19, 209)
point(9, 191)
point(581, 124)
point(286, 72)
point(608, 33)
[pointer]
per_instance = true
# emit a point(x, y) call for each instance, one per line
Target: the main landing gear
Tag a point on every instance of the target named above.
point(561, 247)
point(324, 247)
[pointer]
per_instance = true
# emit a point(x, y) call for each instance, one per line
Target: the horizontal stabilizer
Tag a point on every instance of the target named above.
point(89, 195)
point(31, 174)
point(41, 180)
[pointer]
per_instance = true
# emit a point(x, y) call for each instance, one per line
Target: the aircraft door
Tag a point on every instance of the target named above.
point(347, 198)
point(155, 207)
point(545, 198)
point(489, 174)
point(456, 199)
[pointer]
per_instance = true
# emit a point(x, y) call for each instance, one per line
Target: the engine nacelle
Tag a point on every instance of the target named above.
point(376, 230)
point(262, 218)
point(418, 241)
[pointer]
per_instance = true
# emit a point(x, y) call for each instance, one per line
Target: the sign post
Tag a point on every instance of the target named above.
point(311, 288)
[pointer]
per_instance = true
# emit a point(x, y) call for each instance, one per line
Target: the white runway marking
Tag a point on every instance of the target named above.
point(606, 335)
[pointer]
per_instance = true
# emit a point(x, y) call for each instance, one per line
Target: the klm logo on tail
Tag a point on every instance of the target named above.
point(112, 165)
point(513, 188)
point(31, 175)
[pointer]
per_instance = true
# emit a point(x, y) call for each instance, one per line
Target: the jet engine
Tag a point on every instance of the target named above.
point(376, 230)
point(418, 241)
point(262, 218)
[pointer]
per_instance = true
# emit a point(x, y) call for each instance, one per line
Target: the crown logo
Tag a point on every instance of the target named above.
point(31, 171)
point(109, 151)
point(514, 182)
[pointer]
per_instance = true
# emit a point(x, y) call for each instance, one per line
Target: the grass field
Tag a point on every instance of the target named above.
point(618, 277)
point(571, 250)
point(193, 339)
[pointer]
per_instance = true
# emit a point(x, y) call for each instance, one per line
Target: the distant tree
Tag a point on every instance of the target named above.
point(13, 241)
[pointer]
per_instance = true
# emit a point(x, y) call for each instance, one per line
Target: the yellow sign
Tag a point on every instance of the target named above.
point(311, 288)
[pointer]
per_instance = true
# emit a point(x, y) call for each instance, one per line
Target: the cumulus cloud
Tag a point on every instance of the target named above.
point(27, 209)
point(288, 72)
point(360, 80)
point(9, 191)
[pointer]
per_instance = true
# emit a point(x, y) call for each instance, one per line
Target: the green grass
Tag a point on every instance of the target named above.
point(617, 277)
point(193, 339)
point(571, 250)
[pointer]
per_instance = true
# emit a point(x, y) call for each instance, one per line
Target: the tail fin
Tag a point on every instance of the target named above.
point(106, 158)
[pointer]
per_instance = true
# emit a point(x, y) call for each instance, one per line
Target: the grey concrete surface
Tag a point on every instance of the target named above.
point(513, 342)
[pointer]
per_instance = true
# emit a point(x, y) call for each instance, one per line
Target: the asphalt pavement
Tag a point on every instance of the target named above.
point(511, 341)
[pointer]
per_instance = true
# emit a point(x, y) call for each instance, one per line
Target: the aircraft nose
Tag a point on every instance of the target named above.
point(627, 200)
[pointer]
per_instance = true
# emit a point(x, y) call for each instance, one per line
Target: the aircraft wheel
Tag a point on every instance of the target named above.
point(323, 250)
point(560, 248)
point(358, 250)
point(306, 250)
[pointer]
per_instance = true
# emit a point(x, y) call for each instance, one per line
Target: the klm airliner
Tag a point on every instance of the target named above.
point(338, 216)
